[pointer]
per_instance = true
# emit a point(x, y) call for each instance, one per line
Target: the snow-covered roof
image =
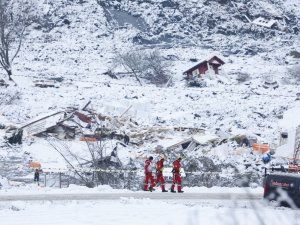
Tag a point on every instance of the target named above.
point(203, 139)
point(51, 115)
point(199, 139)
point(208, 58)
point(264, 22)
point(43, 122)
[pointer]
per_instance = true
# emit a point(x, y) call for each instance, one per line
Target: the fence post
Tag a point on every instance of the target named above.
point(124, 180)
point(265, 171)
point(59, 179)
point(45, 180)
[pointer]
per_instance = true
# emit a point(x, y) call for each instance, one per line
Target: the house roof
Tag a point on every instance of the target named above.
point(264, 22)
point(199, 139)
point(203, 139)
point(42, 123)
point(212, 59)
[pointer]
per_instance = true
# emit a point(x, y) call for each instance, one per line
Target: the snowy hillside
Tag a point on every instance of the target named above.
point(76, 42)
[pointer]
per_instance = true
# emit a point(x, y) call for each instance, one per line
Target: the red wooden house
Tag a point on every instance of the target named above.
point(209, 66)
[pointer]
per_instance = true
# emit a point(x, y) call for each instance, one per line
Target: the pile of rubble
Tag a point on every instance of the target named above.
point(95, 128)
point(90, 126)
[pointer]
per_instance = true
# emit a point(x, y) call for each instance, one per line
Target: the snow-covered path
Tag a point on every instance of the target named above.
point(115, 196)
point(132, 211)
point(102, 205)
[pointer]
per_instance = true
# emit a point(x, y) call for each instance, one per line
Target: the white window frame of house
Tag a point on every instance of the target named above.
point(195, 72)
point(210, 69)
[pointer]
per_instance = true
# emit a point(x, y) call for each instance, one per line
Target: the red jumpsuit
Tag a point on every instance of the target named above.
point(159, 174)
point(176, 176)
point(148, 175)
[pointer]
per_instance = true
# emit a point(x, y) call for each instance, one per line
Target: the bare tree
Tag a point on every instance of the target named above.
point(14, 17)
point(144, 64)
point(133, 63)
point(61, 148)
point(93, 161)
point(157, 68)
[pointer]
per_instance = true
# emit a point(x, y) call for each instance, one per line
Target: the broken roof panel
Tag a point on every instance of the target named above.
point(42, 123)
point(264, 22)
point(199, 139)
point(203, 139)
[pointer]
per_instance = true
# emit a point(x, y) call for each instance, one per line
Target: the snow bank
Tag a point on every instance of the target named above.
point(4, 184)
point(131, 211)
point(75, 189)
point(289, 123)
point(291, 118)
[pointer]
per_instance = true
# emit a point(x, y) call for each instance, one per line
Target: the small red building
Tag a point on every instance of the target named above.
point(210, 66)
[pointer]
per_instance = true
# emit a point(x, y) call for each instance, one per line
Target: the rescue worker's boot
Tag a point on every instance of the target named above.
point(164, 191)
point(179, 189)
point(173, 191)
point(151, 189)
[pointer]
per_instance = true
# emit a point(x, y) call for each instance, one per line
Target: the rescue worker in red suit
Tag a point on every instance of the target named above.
point(148, 175)
point(176, 176)
point(159, 173)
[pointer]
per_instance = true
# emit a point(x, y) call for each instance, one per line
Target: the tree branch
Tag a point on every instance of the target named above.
point(65, 158)
point(19, 45)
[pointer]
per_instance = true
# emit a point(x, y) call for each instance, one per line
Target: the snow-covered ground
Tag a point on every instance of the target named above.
point(131, 210)
point(137, 210)
point(73, 189)
point(76, 42)
point(86, 48)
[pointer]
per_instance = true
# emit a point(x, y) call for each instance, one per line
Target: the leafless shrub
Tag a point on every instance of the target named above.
point(90, 166)
point(146, 65)
point(243, 77)
point(157, 68)
point(8, 96)
point(295, 72)
point(295, 54)
point(196, 82)
point(133, 62)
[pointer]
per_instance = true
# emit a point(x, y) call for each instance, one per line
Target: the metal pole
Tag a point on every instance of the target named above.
point(59, 179)
point(45, 180)
point(265, 171)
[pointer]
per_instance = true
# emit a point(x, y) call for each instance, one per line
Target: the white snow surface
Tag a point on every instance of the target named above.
point(290, 119)
point(289, 123)
point(73, 189)
point(82, 51)
point(136, 211)
point(4, 183)
point(131, 211)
